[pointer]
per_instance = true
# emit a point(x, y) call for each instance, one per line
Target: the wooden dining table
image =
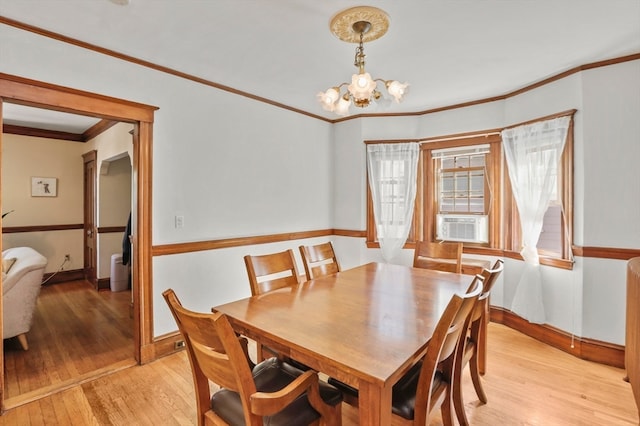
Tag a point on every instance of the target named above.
point(364, 326)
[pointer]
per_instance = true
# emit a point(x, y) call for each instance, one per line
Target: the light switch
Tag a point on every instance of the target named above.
point(179, 221)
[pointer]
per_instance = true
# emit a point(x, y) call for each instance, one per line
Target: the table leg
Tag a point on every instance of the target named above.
point(374, 405)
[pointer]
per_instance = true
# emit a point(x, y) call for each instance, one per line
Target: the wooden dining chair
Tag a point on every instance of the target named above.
point(427, 385)
point(442, 256)
point(473, 347)
point(319, 260)
point(273, 392)
point(267, 273)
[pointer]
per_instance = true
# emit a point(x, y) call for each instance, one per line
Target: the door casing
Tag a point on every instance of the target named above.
point(89, 235)
point(14, 89)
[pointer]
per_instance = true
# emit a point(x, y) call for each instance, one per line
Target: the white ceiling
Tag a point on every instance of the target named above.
point(19, 115)
point(450, 51)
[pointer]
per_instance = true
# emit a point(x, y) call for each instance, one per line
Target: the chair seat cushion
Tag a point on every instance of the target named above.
point(272, 375)
point(403, 394)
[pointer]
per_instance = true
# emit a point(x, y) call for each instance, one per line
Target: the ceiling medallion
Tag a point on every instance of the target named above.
point(342, 23)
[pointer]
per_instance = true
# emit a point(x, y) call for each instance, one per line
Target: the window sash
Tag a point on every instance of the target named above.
point(462, 190)
point(488, 147)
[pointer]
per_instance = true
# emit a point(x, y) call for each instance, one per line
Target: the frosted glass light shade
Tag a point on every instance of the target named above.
point(396, 89)
point(342, 107)
point(327, 99)
point(362, 86)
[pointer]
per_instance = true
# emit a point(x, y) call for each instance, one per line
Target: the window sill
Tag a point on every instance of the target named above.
point(486, 251)
point(544, 260)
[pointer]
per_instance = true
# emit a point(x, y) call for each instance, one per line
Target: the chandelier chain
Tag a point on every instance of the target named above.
point(359, 58)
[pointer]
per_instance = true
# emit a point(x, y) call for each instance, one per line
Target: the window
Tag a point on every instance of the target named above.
point(461, 190)
point(458, 192)
point(462, 194)
point(392, 191)
point(554, 244)
point(393, 183)
point(550, 241)
point(551, 236)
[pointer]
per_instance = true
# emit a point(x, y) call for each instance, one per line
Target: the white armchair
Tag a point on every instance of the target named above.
point(20, 290)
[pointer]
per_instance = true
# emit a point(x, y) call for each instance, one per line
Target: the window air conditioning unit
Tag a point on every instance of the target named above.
point(460, 227)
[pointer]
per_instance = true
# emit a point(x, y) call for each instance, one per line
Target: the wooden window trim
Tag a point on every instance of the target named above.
point(372, 234)
point(513, 228)
point(493, 172)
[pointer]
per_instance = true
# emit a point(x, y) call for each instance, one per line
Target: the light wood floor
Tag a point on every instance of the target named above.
point(77, 333)
point(527, 383)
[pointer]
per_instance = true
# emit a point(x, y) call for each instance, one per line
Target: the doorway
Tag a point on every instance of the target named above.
point(78, 330)
point(28, 92)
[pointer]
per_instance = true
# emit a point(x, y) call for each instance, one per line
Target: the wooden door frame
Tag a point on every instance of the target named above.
point(90, 213)
point(28, 92)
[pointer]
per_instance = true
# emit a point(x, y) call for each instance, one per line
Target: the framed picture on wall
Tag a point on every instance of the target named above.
point(44, 187)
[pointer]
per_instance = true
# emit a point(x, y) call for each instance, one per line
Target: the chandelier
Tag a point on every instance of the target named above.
point(357, 25)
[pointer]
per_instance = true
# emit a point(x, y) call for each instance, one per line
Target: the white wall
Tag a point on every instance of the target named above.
point(235, 167)
point(588, 301)
point(230, 165)
point(611, 126)
point(611, 129)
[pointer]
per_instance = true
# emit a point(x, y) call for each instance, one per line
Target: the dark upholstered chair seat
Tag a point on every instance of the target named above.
point(403, 394)
point(272, 375)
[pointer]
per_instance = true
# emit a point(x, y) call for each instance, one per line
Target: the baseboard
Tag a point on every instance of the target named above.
point(63, 276)
point(75, 275)
point(104, 284)
point(166, 344)
point(587, 349)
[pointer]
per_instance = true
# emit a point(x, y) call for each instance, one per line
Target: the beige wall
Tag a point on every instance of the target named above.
point(24, 157)
point(114, 153)
point(114, 206)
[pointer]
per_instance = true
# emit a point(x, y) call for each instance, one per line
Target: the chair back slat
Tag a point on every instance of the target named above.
point(443, 256)
point(228, 368)
point(271, 271)
point(462, 318)
point(319, 260)
point(490, 276)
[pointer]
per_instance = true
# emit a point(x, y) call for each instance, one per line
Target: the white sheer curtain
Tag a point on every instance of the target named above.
point(533, 154)
point(392, 172)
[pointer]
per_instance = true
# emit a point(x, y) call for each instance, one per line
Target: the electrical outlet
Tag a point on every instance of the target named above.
point(179, 344)
point(179, 221)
